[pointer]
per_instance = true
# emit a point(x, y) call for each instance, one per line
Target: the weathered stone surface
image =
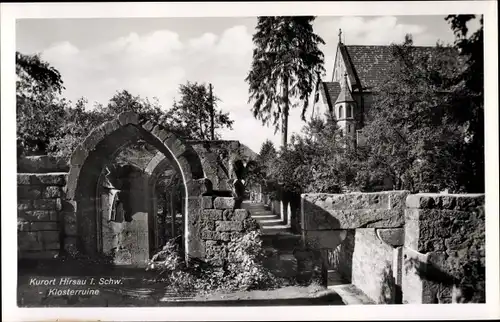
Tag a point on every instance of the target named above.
point(96, 136)
point(463, 202)
point(44, 225)
point(41, 164)
point(29, 192)
point(39, 215)
point(54, 179)
point(47, 204)
point(148, 126)
point(372, 269)
point(315, 218)
point(324, 239)
point(224, 203)
point(111, 126)
point(23, 179)
point(175, 145)
point(394, 237)
point(444, 241)
point(198, 187)
point(29, 241)
point(240, 214)
point(52, 192)
point(23, 225)
point(128, 118)
point(358, 200)
point(228, 226)
point(227, 214)
point(207, 202)
point(211, 214)
point(70, 228)
point(24, 204)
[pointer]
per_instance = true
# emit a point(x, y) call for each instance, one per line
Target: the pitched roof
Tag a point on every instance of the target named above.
point(368, 65)
point(345, 93)
point(329, 92)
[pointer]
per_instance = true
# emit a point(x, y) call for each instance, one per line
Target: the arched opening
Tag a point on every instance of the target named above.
point(94, 196)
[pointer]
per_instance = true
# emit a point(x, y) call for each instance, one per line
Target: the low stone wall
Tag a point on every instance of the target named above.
point(39, 208)
point(400, 248)
point(41, 164)
point(357, 234)
point(218, 224)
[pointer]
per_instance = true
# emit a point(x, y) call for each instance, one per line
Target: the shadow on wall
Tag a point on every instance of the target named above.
point(467, 287)
point(331, 246)
point(390, 292)
point(340, 258)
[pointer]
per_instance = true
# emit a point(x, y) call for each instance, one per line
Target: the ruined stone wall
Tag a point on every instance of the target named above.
point(353, 229)
point(39, 219)
point(444, 248)
point(217, 158)
point(219, 224)
point(400, 248)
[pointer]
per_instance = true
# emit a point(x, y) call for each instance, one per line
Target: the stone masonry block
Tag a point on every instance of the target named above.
point(24, 204)
point(44, 225)
point(111, 126)
point(53, 179)
point(227, 214)
point(392, 236)
point(29, 192)
point(79, 156)
point(148, 126)
point(45, 204)
point(23, 225)
point(29, 241)
point(48, 237)
point(96, 136)
point(224, 203)
point(52, 192)
point(175, 145)
point(240, 214)
point(228, 226)
point(211, 214)
point(23, 179)
point(315, 218)
point(40, 215)
point(462, 202)
point(207, 202)
point(128, 118)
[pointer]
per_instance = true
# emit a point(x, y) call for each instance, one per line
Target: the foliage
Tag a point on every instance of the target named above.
point(79, 120)
point(39, 108)
point(192, 112)
point(244, 272)
point(286, 67)
point(424, 147)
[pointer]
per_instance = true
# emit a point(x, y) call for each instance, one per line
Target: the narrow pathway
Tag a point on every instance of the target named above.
point(278, 240)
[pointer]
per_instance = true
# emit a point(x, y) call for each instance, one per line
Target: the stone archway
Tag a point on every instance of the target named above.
point(98, 150)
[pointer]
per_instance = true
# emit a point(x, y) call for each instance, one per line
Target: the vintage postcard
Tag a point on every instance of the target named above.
point(241, 160)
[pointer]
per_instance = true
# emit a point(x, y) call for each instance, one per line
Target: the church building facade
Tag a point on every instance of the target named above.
point(357, 72)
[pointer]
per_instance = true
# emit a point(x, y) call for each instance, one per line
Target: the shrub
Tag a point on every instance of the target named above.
point(242, 272)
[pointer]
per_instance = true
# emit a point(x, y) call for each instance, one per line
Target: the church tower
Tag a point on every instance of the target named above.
point(345, 109)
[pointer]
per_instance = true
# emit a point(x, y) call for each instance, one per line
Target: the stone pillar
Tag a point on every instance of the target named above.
point(444, 248)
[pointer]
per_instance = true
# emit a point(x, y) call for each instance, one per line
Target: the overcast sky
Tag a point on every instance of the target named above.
point(150, 57)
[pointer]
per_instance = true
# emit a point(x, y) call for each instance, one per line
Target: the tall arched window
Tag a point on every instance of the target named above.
point(341, 112)
point(349, 111)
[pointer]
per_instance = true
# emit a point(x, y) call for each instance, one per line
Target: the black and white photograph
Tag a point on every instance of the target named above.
point(263, 159)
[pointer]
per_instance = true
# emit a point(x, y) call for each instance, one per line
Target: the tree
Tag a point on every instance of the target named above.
point(286, 66)
point(39, 107)
point(471, 96)
point(193, 111)
point(80, 120)
point(414, 135)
